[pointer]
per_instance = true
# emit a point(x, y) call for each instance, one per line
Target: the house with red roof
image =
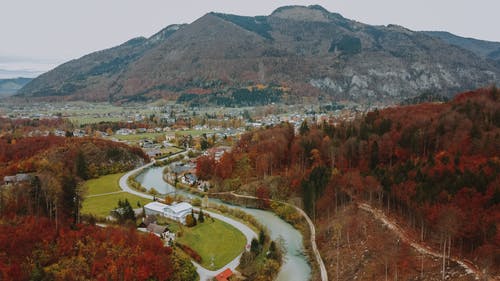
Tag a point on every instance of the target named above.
point(224, 275)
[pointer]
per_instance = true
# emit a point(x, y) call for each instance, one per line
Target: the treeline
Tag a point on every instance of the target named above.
point(100, 157)
point(437, 165)
point(234, 97)
point(13, 126)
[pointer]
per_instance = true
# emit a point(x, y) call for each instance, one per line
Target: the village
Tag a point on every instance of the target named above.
point(172, 136)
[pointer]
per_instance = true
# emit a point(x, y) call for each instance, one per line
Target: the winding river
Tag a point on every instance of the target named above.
point(295, 267)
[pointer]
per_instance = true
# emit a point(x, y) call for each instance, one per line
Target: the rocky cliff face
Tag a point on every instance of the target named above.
point(310, 50)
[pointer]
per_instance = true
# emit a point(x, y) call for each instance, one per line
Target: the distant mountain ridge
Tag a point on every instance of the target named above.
point(9, 87)
point(307, 49)
point(482, 48)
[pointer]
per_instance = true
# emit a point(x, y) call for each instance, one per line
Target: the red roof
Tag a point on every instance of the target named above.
point(224, 275)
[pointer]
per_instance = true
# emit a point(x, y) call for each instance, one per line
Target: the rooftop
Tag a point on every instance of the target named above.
point(156, 206)
point(180, 207)
point(224, 275)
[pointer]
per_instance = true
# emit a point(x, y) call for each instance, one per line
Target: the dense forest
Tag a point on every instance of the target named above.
point(31, 248)
point(43, 235)
point(435, 166)
point(237, 97)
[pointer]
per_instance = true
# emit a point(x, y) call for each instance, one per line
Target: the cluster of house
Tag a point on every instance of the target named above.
point(161, 230)
point(217, 152)
point(190, 179)
point(17, 178)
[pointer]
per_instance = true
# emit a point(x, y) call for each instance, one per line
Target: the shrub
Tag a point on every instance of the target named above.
point(190, 220)
point(188, 250)
point(196, 201)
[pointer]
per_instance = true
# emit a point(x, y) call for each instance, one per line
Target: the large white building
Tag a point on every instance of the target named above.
point(176, 211)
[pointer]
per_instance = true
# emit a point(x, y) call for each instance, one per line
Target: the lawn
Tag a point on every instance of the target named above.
point(102, 205)
point(138, 137)
point(104, 184)
point(86, 120)
point(214, 241)
point(194, 133)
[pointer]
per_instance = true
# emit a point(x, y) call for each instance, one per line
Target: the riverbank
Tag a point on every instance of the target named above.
point(296, 266)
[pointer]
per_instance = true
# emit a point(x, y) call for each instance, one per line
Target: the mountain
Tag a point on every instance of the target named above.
point(485, 49)
point(305, 51)
point(90, 77)
point(9, 87)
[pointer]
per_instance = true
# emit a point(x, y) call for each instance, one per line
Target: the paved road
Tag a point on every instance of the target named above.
point(204, 273)
point(124, 184)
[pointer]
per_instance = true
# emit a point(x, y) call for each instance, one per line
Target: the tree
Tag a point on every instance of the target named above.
point(374, 156)
point(82, 170)
point(205, 167)
point(124, 212)
point(304, 128)
point(313, 188)
point(71, 198)
point(190, 220)
point(255, 247)
point(262, 238)
point(201, 217)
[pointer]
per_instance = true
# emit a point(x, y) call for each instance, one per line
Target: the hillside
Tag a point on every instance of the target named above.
point(311, 51)
point(482, 48)
point(432, 167)
point(9, 87)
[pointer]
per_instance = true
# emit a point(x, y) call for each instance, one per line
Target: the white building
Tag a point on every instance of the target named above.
point(176, 211)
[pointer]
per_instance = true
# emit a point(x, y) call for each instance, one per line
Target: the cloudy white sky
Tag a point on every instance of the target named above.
point(37, 35)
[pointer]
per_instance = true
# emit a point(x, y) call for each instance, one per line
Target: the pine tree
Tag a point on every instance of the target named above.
point(82, 170)
point(201, 216)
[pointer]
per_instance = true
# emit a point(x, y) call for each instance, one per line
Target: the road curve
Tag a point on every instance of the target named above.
point(124, 183)
point(204, 273)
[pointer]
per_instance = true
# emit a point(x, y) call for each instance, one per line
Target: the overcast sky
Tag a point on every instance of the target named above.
point(38, 34)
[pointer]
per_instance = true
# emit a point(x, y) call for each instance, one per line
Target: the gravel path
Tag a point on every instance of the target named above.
point(424, 249)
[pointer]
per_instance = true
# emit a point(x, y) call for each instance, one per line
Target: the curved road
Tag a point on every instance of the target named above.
point(204, 273)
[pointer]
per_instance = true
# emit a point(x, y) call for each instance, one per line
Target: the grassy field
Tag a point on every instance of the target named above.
point(104, 184)
point(101, 205)
point(85, 120)
point(138, 137)
point(194, 133)
point(217, 241)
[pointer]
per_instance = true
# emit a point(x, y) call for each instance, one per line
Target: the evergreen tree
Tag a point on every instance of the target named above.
point(124, 212)
point(262, 237)
point(255, 247)
point(82, 170)
point(304, 128)
point(201, 216)
point(71, 198)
